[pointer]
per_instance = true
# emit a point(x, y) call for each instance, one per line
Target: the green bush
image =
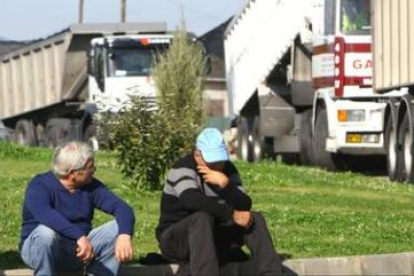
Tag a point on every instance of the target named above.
point(148, 139)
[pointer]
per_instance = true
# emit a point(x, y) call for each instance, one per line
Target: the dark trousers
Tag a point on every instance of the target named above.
point(204, 245)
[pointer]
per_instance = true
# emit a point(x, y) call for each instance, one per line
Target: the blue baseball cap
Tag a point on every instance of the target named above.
point(212, 146)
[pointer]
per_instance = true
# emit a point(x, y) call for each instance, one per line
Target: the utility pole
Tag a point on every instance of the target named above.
point(182, 21)
point(123, 10)
point(81, 5)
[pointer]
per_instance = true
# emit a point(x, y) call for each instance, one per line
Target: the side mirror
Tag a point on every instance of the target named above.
point(95, 66)
point(91, 62)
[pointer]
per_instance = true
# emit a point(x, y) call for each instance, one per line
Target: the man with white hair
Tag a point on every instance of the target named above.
point(206, 215)
point(58, 209)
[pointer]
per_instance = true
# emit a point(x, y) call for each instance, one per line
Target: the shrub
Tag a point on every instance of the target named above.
point(148, 139)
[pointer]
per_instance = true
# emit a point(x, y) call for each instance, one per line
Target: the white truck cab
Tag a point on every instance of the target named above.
point(122, 65)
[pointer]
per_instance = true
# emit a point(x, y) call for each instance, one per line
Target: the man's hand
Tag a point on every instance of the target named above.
point(243, 218)
point(84, 251)
point(213, 177)
point(123, 248)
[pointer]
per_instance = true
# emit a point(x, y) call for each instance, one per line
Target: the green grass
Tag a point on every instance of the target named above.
point(310, 212)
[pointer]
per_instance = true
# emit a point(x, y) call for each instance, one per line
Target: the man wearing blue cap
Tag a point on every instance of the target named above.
point(205, 213)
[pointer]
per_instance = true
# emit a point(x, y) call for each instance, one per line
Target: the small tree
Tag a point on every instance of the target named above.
point(149, 140)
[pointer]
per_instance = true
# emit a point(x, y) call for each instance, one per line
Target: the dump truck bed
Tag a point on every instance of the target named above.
point(256, 40)
point(393, 44)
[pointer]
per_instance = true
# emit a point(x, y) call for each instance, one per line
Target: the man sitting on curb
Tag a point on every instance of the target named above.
point(206, 216)
point(58, 209)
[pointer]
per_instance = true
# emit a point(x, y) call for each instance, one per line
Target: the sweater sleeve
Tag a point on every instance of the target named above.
point(234, 193)
point(109, 203)
point(39, 203)
point(235, 196)
point(194, 201)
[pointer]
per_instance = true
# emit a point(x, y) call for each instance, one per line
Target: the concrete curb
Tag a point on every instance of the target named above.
point(385, 264)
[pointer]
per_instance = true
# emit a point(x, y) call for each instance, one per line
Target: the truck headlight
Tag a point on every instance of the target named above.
point(366, 138)
point(351, 115)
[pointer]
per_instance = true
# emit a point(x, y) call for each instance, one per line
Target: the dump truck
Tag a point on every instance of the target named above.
point(324, 82)
point(52, 89)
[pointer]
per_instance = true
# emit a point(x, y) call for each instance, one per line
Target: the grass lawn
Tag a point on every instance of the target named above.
point(310, 212)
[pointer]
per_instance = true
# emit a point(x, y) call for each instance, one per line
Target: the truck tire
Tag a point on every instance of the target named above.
point(323, 158)
point(40, 135)
point(290, 158)
point(244, 147)
point(89, 137)
point(394, 168)
point(406, 155)
point(305, 138)
point(52, 137)
point(57, 131)
point(24, 133)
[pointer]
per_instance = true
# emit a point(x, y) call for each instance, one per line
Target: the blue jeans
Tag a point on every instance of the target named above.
point(47, 252)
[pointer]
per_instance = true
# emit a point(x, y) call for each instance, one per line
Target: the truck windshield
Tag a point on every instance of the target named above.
point(355, 19)
point(131, 61)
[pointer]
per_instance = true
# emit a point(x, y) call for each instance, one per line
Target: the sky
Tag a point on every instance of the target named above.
point(33, 19)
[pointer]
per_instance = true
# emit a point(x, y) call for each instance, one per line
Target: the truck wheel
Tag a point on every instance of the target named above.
point(52, 137)
point(90, 137)
point(305, 138)
point(257, 144)
point(407, 150)
point(40, 135)
point(244, 147)
point(290, 158)
point(323, 158)
point(24, 133)
point(57, 131)
point(391, 147)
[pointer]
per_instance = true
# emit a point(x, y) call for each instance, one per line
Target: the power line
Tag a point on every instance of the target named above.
point(186, 7)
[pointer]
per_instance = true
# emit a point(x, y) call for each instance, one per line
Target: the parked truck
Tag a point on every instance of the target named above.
point(51, 89)
point(326, 81)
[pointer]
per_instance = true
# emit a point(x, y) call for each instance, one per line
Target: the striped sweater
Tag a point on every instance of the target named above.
point(185, 193)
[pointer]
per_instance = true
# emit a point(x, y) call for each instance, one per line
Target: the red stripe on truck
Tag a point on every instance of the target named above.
point(358, 81)
point(349, 48)
point(323, 49)
point(358, 48)
point(323, 82)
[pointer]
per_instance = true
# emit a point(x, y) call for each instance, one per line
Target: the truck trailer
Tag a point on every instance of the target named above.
point(51, 89)
point(326, 81)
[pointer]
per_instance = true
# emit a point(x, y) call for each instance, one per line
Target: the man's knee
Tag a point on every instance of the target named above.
point(105, 234)
point(46, 236)
point(258, 218)
point(202, 218)
point(111, 229)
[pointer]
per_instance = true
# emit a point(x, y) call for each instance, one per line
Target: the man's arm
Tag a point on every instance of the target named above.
point(110, 203)
point(194, 201)
point(235, 196)
point(228, 187)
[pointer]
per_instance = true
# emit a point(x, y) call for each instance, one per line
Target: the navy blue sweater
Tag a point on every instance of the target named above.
point(47, 202)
